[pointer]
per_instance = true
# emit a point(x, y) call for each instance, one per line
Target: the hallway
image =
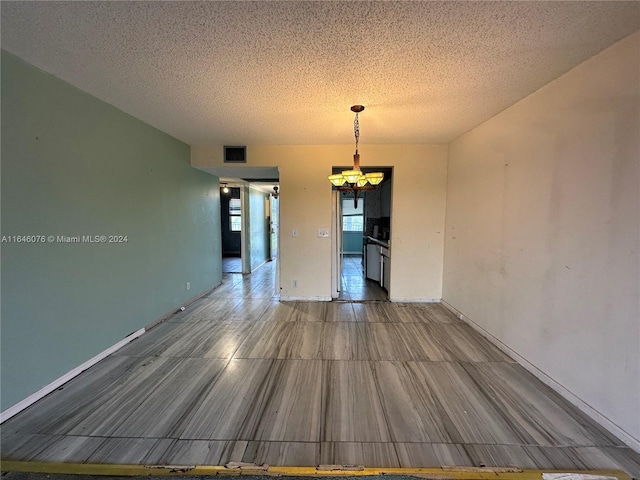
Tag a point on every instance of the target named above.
point(239, 376)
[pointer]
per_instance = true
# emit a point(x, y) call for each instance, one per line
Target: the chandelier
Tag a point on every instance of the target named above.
point(354, 180)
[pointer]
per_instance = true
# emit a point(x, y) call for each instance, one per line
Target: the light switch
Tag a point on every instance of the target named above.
point(323, 233)
point(294, 233)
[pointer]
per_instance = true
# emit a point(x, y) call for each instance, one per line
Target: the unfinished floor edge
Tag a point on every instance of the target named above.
point(449, 472)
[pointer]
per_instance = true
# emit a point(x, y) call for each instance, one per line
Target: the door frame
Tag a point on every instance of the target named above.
point(336, 244)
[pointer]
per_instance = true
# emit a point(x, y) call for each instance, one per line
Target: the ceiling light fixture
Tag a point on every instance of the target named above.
point(354, 180)
point(225, 188)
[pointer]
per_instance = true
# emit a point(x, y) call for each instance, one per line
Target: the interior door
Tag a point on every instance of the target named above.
point(336, 244)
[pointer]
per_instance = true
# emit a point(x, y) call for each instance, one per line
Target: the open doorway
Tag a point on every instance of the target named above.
point(249, 216)
point(231, 222)
point(274, 224)
point(361, 259)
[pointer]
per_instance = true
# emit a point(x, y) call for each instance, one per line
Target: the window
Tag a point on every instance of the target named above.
point(235, 214)
point(352, 218)
point(352, 223)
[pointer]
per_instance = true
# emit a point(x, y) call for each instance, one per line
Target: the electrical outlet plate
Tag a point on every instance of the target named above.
point(323, 233)
point(188, 285)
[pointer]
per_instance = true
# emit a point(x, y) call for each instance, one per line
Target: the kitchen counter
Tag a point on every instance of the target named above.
point(382, 243)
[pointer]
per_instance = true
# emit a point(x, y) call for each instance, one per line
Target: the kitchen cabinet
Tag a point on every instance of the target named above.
point(385, 199)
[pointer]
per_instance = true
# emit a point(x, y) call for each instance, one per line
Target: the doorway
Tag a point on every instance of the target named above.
point(274, 229)
point(231, 223)
point(358, 274)
point(249, 216)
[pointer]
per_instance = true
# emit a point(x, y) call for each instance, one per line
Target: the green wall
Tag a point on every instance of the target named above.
point(352, 242)
point(74, 165)
point(258, 228)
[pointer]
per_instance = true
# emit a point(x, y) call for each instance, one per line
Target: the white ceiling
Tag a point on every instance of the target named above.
point(247, 73)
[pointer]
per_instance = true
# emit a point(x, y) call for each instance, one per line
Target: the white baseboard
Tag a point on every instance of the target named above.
point(287, 298)
point(594, 414)
point(414, 300)
point(185, 305)
point(34, 397)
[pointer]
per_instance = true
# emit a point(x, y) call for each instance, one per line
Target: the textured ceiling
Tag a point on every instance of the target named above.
point(241, 73)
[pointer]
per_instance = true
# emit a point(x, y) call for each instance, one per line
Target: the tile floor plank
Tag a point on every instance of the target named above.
point(106, 415)
point(381, 455)
point(472, 414)
point(73, 398)
point(375, 312)
point(532, 406)
point(414, 413)
point(220, 340)
point(203, 452)
point(291, 454)
point(352, 411)
point(148, 451)
point(180, 392)
point(51, 448)
point(390, 341)
point(293, 410)
point(234, 407)
point(340, 312)
point(290, 340)
point(346, 341)
point(432, 455)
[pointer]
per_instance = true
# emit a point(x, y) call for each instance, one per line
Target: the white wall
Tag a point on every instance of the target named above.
point(543, 212)
point(417, 221)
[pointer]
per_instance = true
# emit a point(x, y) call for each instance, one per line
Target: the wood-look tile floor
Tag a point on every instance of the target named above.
point(232, 264)
point(239, 376)
point(354, 286)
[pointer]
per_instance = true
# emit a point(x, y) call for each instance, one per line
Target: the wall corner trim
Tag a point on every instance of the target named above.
point(583, 406)
point(34, 397)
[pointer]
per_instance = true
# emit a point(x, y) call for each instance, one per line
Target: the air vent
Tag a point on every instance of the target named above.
point(235, 154)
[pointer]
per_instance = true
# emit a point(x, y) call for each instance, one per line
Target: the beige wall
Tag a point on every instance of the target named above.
point(418, 203)
point(543, 212)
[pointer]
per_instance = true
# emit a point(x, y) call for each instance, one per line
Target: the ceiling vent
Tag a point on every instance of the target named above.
point(235, 154)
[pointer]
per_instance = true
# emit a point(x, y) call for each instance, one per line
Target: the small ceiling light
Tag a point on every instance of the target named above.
point(225, 188)
point(354, 179)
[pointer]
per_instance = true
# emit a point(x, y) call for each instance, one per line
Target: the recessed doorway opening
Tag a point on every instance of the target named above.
point(249, 220)
point(361, 244)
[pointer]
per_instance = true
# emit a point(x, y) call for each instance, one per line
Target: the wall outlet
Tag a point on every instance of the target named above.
point(295, 284)
point(188, 285)
point(323, 233)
